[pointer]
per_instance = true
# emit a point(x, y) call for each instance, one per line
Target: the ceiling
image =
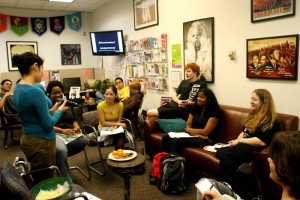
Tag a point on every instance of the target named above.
point(75, 6)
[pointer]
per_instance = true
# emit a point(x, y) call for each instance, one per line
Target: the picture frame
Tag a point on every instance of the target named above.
point(19, 47)
point(262, 10)
point(145, 13)
point(198, 41)
point(273, 57)
point(70, 54)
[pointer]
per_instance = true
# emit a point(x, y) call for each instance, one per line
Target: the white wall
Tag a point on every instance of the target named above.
point(232, 27)
point(49, 43)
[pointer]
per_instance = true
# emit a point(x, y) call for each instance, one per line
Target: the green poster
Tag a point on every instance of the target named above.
point(176, 56)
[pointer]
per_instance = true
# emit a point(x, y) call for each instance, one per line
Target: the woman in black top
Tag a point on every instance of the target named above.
point(202, 122)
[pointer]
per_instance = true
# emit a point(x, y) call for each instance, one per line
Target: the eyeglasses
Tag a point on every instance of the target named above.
point(118, 82)
point(7, 84)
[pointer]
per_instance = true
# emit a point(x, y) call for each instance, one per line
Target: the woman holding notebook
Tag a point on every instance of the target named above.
point(201, 123)
point(110, 113)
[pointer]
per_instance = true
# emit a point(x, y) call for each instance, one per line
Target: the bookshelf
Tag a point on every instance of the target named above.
point(147, 62)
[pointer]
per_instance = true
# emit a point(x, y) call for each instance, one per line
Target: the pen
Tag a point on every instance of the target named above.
point(212, 185)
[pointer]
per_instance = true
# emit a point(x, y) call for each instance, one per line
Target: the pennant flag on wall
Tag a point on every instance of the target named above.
point(19, 25)
point(39, 25)
point(3, 24)
point(74, 21)
point(57, 24)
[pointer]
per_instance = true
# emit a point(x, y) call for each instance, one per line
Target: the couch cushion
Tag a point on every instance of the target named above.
point(171, 125)
point(204, 162)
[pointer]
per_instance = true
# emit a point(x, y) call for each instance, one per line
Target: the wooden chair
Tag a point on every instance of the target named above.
point(8, 127)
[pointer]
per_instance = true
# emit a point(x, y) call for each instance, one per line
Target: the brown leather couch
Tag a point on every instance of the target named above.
point(203, 162)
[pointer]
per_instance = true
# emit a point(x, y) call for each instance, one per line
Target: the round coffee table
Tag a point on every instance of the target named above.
point(126, 168)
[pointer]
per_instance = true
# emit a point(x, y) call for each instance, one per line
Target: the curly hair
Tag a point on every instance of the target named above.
point(284, 151)
point(194, 67)
point(212, 103)
point(266, 116)
point(53, 84)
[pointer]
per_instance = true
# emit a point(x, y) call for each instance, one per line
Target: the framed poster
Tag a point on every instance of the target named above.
point(273, 57)
point(70, 54)
point(198, 41)
point(265, 10)
point(19, 47)
point(145, 13)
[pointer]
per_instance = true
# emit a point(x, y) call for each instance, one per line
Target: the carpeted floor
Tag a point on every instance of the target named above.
point(110, 186)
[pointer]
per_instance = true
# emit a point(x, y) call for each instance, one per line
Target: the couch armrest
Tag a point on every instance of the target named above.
point(151, 126)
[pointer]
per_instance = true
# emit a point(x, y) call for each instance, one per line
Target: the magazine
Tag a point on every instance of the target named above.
point(111, 130)
point(106, 132)
point(69, 138)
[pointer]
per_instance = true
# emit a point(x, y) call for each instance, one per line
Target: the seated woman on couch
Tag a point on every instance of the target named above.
point(110, 113)
point(284, 162)
point(259, 128)
point(202, 122)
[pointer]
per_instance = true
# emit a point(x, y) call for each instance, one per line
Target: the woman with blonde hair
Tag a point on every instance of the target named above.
point(257, 133)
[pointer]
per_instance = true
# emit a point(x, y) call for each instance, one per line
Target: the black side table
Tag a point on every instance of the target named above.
point(126, 168)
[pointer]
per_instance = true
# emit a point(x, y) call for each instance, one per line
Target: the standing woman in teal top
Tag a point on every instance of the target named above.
point(38, 138)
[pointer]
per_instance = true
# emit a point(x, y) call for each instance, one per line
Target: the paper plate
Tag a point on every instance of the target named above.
point(51, 184)
point(134, 154)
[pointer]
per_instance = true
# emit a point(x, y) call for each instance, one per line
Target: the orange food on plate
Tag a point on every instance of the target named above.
point(119, 154)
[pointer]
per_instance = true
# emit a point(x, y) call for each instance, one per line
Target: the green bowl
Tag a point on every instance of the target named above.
point(51, 184)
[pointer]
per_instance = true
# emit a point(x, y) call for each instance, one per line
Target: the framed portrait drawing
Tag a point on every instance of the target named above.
point(145, 13)
point(14, 48)
point(273, 57)
point(70, 54)
point(198, 41)
point(266, 9)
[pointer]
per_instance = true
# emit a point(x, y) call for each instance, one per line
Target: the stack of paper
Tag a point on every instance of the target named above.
point(179, 135)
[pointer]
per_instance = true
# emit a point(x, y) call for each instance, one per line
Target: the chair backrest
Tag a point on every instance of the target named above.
point(13, 185)
point(8, 119)
point(91, 118)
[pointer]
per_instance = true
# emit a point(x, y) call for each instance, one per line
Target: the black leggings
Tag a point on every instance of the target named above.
point(175, 145)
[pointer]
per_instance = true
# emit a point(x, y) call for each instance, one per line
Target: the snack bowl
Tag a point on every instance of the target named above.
point(61, 186)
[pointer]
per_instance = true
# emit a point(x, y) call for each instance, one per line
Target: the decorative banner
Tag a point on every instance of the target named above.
point(19, 25)
point(39, 25)
point(3, 24)
point(74, 21)
point(57, 24)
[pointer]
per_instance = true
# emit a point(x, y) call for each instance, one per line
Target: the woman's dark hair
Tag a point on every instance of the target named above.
point(114, 89)
point(212, 102)
point(284, 151)
point(53, 84)
point(25, 60)
point(119, 78)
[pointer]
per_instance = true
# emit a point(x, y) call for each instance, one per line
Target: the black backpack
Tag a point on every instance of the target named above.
point(172, 171)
